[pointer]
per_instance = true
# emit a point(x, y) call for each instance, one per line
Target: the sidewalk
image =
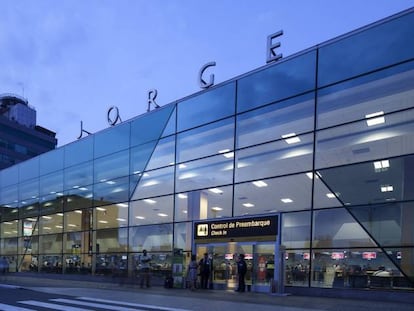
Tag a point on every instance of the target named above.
point(103, 288)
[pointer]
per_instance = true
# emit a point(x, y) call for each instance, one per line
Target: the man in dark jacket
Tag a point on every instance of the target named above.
point(241, 273)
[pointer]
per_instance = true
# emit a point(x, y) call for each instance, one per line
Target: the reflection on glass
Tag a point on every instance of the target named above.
point(273, 195)
point(274, 159)
point(271, 122)
point(151, 211)
point(157, 238)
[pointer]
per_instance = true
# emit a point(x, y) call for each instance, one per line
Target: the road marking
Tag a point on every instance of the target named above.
point(95, 305)
point(52, 306)
point(5, 307)
point(131, 304)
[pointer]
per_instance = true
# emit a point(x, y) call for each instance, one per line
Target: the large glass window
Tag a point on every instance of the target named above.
point(79, 151)
point(151, 211)
point(112, 140)
point(9, 176)
point(51, 183)
point(78, 176)
point(214, 138)
point(205, 173)
point(374, 138)
point(379, 93)
point(367, 50)
point(296, 229)
point(150, 126)
point(337, 228)
point(153, 183)
point(273, 195)
point(291, 155)
point(152, 238)
point(271, 122)
point(9, 229)
point(51, 161)
point(112, 216)
point(112, 166)
point(203, 204)
point(51, 223)
point(285, 79)
point(29, 169)
point(112, 240)
point(51, 243)
point(209, 106)
point(163, 154)
point(111, 191)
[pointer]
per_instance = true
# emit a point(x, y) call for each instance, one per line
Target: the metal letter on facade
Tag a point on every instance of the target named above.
point(117, 117)
point(204, 84)
point(152, 95)
point(82, 131)
point(271, 47)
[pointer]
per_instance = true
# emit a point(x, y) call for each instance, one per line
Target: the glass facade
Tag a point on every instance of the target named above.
point(324, 140)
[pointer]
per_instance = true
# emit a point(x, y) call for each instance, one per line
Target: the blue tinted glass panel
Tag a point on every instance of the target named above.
point(79, 151)
point(214, 138)
point(206, 107)
point(112, 140)
point(170, 127)
point(9, 176)
point(140, 157)
point(113, 166)
point(384, 91)
point(52, 183)
point(29, 169)
point(79, 175)
point(285, 79)
point(374, 48)
point(272, 122)
point(51, 161)
point(150, 126)
point(9, 196)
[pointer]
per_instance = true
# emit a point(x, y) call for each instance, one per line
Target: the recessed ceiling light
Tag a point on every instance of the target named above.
point(375, 118)
point(286, 200)
point(216, 208)
point(330, 195)
point(150, 201)
point(248, 204)
point(139, 217)
point(379, 165)
point(259, 183)
point(291, 138)
point(182, 196)
point(215, 190)
point(387, 188)
point(162, 215)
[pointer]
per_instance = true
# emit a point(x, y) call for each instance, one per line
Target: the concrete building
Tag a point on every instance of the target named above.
point(20, 137)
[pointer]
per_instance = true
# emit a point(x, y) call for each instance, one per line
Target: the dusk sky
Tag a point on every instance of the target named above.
point(73, 59)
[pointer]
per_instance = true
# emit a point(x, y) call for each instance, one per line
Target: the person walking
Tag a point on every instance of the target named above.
point(192, 273)
point(145, 269)
point(205, 270)
point(241, 273)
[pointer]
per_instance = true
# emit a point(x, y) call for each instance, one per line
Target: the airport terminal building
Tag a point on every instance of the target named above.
point(305, 165)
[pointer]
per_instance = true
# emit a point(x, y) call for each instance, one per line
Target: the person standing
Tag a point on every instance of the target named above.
point(145, 269)
point(241, 273)
point(192, 273)
point(205, 270)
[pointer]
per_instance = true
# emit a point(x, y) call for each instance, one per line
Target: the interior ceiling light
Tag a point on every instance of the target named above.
point(162, 215)
point(150, 183)
point(103, 221)
point(149, 201)
point(387, 188)
point(215, 190)
point(330, 195)
point(78, 211)
point(122, 205)
point(101, 209)
point(121, 219)
point(248, 204)
point(182, 166)
point(47, 217)
point(375, 118)
point(286, 200)
point(291, 138)
point(216, 208)
point(139, 217)
point(182, 196)
point(379, 165)
point(259, 183)
point(226, 153)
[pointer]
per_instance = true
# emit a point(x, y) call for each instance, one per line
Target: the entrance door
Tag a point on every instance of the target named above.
point(259, 258)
